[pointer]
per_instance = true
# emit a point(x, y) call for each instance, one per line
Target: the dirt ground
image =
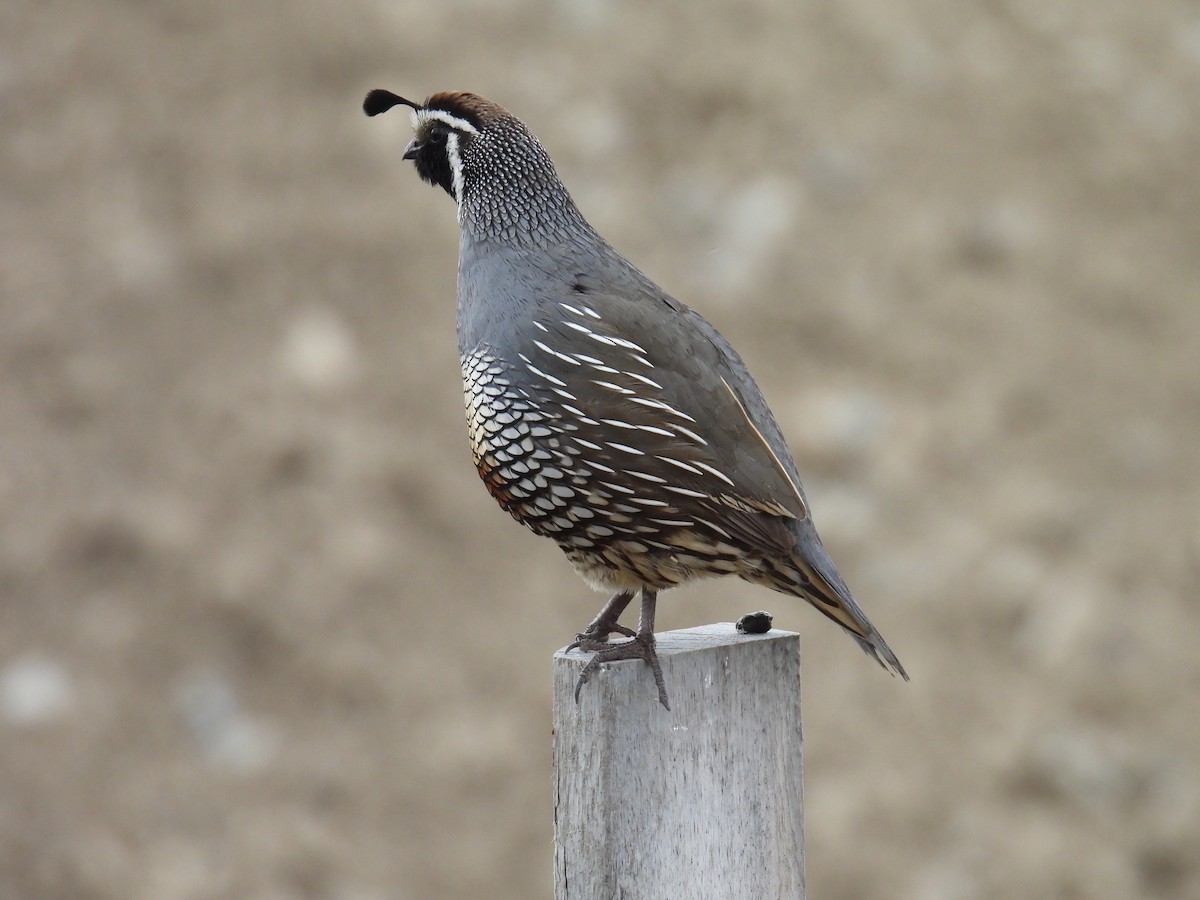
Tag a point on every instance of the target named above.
point(265, 636)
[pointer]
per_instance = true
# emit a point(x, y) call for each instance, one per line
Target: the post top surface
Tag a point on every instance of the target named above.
point(702, 637)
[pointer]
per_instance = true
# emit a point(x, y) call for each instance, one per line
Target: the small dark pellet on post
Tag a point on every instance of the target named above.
point(755, 623)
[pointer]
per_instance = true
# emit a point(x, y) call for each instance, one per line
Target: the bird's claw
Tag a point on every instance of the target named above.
point(639, 646)
point(596, 638)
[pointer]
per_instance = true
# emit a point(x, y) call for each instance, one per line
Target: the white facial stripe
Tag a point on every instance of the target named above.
point(450, 121)
point(456, 169)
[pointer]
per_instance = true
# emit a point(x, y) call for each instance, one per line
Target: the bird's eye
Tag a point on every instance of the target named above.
point(437, 134)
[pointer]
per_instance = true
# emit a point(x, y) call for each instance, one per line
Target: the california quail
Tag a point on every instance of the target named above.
point(602, 412)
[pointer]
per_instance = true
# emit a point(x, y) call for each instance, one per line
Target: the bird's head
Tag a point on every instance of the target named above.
point(484, 157)
point(446, 127)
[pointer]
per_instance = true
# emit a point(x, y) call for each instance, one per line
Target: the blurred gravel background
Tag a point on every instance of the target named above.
point(265, 636)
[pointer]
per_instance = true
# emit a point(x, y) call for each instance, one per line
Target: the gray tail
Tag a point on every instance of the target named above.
point(817, 581)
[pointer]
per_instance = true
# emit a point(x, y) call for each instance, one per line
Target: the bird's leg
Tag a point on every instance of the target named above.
point(595, 636)
point(640, 646)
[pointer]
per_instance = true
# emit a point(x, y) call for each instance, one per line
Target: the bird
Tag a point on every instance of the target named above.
point(603, 413)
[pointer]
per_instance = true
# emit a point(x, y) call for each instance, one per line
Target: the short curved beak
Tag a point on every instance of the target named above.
point(410, 152)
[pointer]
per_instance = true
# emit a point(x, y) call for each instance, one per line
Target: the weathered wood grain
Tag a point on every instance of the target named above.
point(704, 801)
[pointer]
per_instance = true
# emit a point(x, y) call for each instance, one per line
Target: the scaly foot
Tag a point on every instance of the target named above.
point(595, 638)
point(639, 646)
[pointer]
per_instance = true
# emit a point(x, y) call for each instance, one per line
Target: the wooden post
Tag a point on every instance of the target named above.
point(704, 801)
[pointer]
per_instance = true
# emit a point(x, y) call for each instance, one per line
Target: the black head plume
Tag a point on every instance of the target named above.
point(380, 101)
